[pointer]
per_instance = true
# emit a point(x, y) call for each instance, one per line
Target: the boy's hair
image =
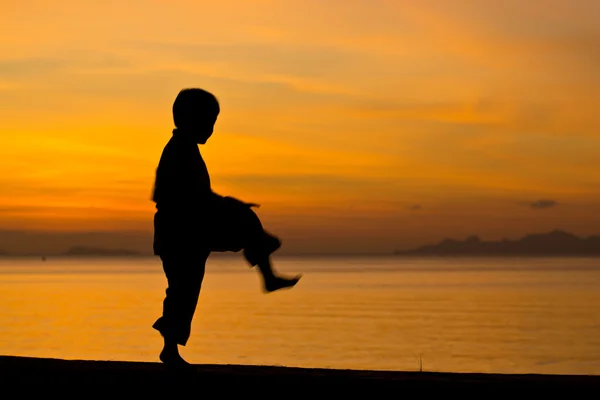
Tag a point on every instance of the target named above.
point(194, 104)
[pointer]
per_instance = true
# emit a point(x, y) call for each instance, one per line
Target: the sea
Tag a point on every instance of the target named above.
point(493, 315)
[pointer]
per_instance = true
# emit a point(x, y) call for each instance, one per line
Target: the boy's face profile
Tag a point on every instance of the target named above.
point(202, 129)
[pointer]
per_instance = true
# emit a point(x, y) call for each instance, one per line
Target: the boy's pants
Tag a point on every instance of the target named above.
point(184, 277)
point(184, 264)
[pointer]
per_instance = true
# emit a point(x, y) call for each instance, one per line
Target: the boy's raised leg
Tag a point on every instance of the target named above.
point(273, 282)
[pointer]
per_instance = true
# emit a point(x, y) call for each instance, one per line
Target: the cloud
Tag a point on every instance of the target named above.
point(27, 67)
point(313, 184)
point(65, 62)
point(543, 204)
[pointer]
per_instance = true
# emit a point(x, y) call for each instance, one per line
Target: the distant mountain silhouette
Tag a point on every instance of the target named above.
point(555, 243)
point(25, 243)
point(99, 252)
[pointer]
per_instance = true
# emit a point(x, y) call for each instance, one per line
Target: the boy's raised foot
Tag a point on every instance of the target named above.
point(277, 283)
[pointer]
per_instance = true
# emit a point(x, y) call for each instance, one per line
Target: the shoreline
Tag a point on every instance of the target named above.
point(28, 373)
point(398, 256)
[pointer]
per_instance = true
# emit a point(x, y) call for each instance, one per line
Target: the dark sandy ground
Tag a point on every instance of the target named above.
point(20, 376)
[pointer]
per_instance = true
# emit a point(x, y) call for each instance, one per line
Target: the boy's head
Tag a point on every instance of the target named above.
point(195, 111)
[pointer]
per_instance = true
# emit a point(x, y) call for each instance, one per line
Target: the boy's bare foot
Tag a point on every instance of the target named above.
point(173, 359)
point(276, 283)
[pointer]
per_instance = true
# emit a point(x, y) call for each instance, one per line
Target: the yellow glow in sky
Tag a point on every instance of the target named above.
point(339, 117)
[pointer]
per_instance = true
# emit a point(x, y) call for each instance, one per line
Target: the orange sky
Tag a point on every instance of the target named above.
point(338, 116)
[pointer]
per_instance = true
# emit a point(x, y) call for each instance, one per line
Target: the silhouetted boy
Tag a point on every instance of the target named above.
point(191, 221)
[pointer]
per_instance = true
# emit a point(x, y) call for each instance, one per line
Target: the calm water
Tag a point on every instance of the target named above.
point(482, 315)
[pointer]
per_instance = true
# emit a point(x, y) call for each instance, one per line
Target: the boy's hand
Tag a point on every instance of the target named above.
point(249, 205)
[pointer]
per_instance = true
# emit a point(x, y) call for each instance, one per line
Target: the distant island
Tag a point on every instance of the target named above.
point(555, 243)
point(99, 252)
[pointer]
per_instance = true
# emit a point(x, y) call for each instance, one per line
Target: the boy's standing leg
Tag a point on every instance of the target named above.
point(184, 273)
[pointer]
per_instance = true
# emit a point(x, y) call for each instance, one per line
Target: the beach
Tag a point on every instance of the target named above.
point(92, 378)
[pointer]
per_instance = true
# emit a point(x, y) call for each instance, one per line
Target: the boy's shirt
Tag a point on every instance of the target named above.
point(182, 184)
point(183, 196)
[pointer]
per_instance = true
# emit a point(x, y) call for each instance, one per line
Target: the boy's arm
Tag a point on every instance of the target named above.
point(237, 201)
point(215, 197)
point(212, 197)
